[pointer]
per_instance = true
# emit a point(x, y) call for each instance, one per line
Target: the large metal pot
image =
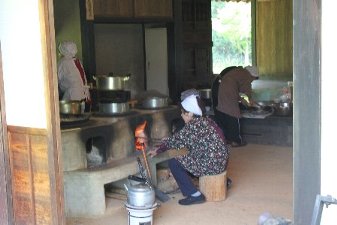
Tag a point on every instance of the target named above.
point(113, 107)
point(205, 93)
point(140, 195)
point(155, 102)
point(104, 82)
point(283, 108)
point(71, 107)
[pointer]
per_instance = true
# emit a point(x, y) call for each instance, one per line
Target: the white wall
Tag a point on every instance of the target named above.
point(22, 63)
point(119, 48)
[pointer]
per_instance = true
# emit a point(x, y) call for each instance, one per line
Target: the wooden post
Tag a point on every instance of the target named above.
point(214, 187)
point(89, 8)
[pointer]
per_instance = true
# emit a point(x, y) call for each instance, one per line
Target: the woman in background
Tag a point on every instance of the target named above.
point(71, 76)
point(227, 112)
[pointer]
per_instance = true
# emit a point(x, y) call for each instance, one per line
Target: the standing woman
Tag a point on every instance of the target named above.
point(237, 80)
point(71, 76)
point(208, 154)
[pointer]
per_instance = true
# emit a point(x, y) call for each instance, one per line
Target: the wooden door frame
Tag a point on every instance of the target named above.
point(6, 210)
point(53, 118)
point(53, 133)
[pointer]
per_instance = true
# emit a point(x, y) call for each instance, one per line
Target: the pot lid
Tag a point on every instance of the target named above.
point(111, 74)
point(141, 187)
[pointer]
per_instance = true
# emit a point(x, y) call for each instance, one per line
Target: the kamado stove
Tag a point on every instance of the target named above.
point(68, 121)
point(113, 102)
point(72, 113)
point(110, 96)
point(140, 215)
point(153, 100)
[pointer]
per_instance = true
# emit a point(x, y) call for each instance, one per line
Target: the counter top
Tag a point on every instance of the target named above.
point(98, 119)
point(272, 130)
point(272, 117)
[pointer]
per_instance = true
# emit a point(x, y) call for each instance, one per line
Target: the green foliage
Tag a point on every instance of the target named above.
point(231, 34)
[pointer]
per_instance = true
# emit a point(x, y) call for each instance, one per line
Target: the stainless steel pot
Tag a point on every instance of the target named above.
point(140, 195)
point(205, 93)
point(71, 107)
point(283, 108)
point(155, 102)
point(263, 106)
point(113, 108)
point(104, 82)
point(264, 103)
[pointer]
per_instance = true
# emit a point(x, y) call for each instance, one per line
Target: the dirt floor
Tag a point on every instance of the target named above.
point(262, 182)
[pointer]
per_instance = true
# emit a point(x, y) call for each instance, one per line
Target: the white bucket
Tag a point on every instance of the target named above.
point(140, 216)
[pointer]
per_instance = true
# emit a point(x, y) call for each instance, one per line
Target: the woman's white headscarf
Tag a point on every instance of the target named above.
point(68, 49)
point(190, 104)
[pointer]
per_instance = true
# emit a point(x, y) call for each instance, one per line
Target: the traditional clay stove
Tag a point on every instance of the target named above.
point(68, 120)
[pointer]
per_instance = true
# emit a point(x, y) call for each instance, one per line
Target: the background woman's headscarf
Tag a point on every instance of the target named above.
point(68, 49)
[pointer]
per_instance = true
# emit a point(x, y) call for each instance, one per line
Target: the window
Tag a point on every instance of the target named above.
point(231, 34)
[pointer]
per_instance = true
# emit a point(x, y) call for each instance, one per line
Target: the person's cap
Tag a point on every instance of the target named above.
point(190, 104)
point(253, 71)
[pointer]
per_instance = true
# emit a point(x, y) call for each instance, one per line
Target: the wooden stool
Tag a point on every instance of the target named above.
point(214, 187)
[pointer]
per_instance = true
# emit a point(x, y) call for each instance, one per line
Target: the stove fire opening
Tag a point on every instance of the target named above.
point(96, 152)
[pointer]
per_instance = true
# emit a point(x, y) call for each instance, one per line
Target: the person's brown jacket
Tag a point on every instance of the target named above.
point(234, 82)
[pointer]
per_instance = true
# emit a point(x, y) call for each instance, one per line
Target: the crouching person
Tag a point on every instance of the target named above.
point(208, 153)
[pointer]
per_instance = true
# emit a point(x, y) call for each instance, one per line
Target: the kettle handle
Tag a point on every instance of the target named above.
point(138, 179)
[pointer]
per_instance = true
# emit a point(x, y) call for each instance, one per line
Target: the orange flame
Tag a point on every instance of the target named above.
point(141, 137)
point(140, 129)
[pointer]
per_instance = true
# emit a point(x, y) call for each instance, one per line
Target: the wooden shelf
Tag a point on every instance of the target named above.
point(129, 9)
point(197, 42)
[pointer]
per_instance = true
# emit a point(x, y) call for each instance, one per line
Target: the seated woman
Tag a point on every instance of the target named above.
point(208, 153)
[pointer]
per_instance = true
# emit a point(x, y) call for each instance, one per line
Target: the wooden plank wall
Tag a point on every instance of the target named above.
point(274, 39)
point(4, 207)
point(32, 194)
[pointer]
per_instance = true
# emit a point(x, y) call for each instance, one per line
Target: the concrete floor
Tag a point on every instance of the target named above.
point(262, 181)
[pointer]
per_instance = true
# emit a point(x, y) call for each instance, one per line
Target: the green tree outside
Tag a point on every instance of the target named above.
point(231, 34)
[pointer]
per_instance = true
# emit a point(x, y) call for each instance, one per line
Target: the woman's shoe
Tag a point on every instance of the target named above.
point(229, 183)
point(190, 200)
point(235, 144)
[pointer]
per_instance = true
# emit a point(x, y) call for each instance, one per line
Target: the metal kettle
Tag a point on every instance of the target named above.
point(140, 195)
